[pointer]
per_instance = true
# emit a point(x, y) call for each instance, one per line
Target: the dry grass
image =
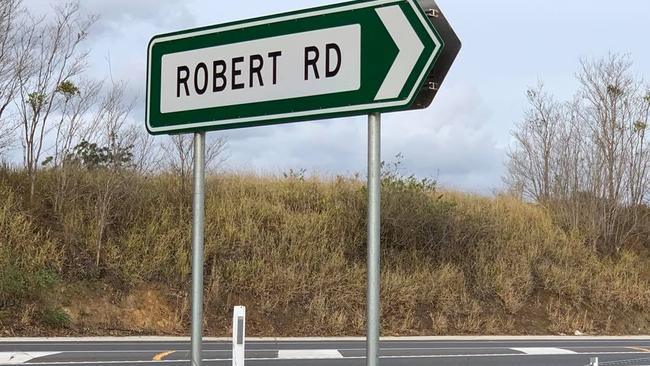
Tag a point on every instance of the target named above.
point(29, 258)
point(293, 251)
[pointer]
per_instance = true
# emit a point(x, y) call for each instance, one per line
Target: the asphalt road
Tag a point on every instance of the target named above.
point(483, 351)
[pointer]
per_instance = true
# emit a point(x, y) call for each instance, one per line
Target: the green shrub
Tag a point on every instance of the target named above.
point(55, 318)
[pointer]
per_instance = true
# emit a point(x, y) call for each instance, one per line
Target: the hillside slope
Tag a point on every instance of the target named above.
point(107, 256)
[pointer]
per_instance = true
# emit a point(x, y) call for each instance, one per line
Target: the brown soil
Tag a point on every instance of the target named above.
point(156, 310)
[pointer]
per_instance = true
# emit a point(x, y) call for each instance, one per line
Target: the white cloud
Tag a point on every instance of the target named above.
point(451, 142)
point(460, 140)
point(116, 14)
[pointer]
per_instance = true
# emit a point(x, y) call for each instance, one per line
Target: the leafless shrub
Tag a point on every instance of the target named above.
point(178, 155)
point(588, 159)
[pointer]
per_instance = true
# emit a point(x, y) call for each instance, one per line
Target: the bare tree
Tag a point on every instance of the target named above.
point(55, 58)
point(531, 165)
point(146, 153)
point(570, 176)
point(12, 64)
point(178, 153)
point(639, 166)
point(589, 159)
point(610, 107)
point(116, 139)
point(10, 12)
point(179, 150)
point(73, 125)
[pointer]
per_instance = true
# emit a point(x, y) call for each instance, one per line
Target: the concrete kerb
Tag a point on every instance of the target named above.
point(321, 339)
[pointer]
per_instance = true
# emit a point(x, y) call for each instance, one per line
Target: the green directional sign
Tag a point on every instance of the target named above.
point(347, 59)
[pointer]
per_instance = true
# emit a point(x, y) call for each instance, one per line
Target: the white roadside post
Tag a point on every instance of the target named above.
point(238, 335)
point(593, 361)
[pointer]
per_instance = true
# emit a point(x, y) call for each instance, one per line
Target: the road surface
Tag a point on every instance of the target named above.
point(413, 352)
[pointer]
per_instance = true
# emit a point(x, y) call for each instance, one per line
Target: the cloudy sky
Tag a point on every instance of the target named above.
point(461, 140)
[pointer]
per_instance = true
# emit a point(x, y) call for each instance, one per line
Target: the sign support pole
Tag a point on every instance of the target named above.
point(374, 212)
point(198, 209)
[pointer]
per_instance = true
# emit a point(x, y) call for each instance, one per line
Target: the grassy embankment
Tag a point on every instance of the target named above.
point(293, 251)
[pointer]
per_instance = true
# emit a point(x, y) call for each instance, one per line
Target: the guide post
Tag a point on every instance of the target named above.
point(238, 335)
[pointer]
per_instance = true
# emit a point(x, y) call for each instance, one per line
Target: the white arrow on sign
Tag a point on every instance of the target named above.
point(410, 48)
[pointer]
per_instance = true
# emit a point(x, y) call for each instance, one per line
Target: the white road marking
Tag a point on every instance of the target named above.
point(277, 359)
point(308, 354)
point(227, 350)
point(544, 351)
point(440, 340)
point(12, 358)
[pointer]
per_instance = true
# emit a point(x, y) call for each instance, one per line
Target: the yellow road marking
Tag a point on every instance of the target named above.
point(161, 355)
point(640, 349)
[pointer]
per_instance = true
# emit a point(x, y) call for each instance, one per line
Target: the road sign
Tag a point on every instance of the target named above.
point(346, 59)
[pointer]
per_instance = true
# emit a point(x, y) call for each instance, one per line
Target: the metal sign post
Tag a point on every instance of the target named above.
point(374, 250)
point(355, 58)
point(198, 210)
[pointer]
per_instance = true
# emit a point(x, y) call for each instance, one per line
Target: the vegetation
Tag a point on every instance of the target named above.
point(588, 159)
point(452, 263)
point(95, 224)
